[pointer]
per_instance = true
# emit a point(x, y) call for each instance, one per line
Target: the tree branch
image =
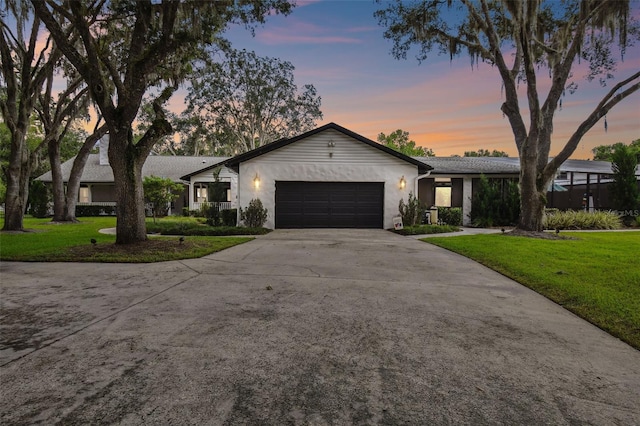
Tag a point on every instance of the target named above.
point(608, 102)
point(510, 107)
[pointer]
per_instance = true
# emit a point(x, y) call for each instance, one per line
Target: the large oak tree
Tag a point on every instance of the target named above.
point(399, 140)
point(129, 49)
point(249, 101)
point(525, 41)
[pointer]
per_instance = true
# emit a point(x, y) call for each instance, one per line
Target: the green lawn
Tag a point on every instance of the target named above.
point(595, 275)
point(48, 242)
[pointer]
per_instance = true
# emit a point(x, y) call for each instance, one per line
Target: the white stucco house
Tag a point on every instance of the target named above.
point(329, 177)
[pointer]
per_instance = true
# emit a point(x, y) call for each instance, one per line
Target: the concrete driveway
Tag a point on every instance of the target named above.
point(302, 327)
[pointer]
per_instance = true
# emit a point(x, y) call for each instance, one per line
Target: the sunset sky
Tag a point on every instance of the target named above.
point(339, 47)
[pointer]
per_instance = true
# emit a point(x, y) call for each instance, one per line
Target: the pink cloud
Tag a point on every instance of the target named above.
point(361, 29)
point(298, 32)
point(275, 38)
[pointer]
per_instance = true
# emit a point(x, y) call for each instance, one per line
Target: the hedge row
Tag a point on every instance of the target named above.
point(194, 229)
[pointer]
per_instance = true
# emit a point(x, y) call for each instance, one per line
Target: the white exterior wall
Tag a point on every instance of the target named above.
point(226, 175)
point(467, 186)
point(308, 160)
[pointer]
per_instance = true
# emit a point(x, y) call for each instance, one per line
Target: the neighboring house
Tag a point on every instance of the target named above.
point(331, 177)
point(579, 184)
point(97, 186)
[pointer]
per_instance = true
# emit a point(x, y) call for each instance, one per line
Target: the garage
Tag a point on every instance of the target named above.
point(329, 204)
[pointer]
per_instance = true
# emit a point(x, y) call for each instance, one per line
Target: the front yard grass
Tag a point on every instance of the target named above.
point(594, 275)
point(49, 242)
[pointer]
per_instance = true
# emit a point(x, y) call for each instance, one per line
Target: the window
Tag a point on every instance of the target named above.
point(212, 192)
point(201, 190)
point(443, 192)
point(84, 195)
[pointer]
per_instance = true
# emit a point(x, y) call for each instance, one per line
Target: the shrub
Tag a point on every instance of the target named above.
point(255, 215)
point(426, 229)
point(580, 219)
point(38, 199)
point(496, 202)
point(450, 216)
point(159, 192)
point(411, 212)
point(229, 217)
point(212, 214)
point(196, 229)
point(625, 194)
point(85, 211)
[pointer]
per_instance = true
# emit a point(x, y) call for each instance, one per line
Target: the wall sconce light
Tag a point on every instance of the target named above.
point(403, 182)
point(256, 181)
point(331, 145)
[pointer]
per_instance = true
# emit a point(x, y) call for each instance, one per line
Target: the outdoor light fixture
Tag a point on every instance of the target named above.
point(256, 181)
point(331, 145)
point(403, 182)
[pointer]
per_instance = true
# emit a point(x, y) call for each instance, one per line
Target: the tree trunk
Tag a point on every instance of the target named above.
point(57, 183)
point(17, 183)
point(75, 177)
point(533, 195)
point(127, 164)
point(73, 185)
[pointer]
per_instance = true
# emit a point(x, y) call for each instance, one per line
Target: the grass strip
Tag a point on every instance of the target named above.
point(594, 275)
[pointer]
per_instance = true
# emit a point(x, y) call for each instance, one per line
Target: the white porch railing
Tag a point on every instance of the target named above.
point(224, 205)
point(97, 203)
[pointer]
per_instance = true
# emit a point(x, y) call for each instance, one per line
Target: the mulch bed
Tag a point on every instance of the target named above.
point(540, 235)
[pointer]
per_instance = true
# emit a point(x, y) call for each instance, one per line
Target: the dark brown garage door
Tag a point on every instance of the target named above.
point(329, 204)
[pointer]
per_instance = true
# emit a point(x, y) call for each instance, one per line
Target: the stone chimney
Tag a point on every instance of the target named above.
point(104, 150)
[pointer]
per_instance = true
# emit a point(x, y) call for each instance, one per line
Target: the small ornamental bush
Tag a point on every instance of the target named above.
point(86, 211)
point(411, 212)
point(229, 217)
point(255, 215)
point(38, 199)
point(572, 219)
point(450, 216)
point(212, 213)
point(159, 192)
point(198, 229)
point(426, 229)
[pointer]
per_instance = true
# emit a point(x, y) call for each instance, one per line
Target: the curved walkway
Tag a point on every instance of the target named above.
point(303, 327)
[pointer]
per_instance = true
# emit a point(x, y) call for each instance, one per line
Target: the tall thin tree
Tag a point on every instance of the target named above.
point(26, 61)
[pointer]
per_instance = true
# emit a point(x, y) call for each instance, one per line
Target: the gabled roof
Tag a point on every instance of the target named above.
point(172, 167)
point(507, 165)
point(234, 163)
